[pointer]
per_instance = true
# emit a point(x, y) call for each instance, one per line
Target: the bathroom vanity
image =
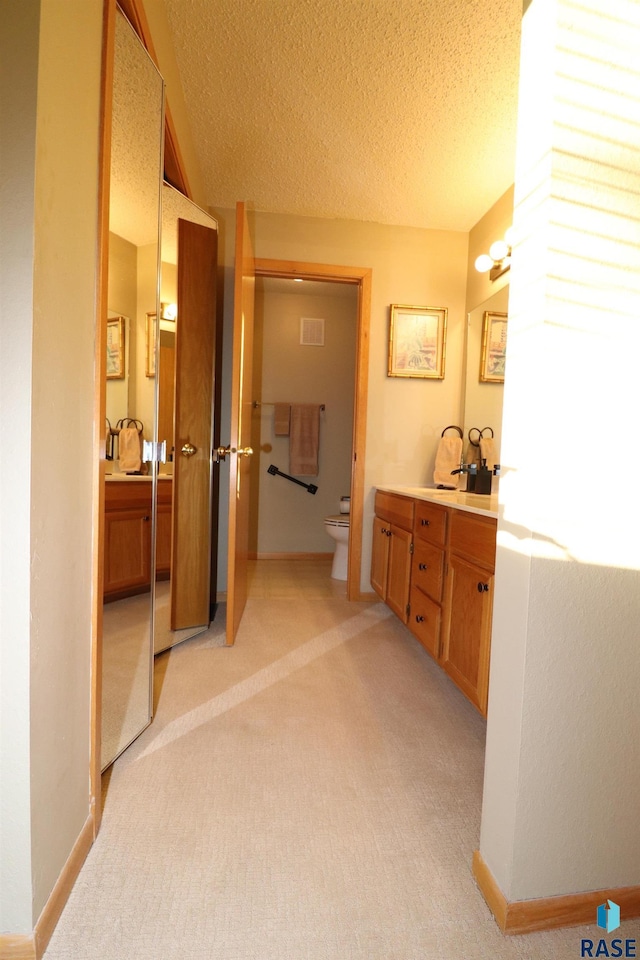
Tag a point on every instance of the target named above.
point(127, 534)
point(432, 562)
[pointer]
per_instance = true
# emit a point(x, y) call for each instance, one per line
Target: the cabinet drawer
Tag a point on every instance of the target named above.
point(474, 537)
point(394, 509)
point(424, 621)
point(430, 522)
point(427, 571)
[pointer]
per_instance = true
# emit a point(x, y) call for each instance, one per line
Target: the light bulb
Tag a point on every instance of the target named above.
point(484, 263)
point(499, 250)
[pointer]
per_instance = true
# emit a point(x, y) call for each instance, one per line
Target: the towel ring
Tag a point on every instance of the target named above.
point(479, 432)
point(130, 422)
point(452, 427)
point(483, 430)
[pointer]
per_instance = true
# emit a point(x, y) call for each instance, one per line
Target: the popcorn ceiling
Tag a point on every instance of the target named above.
point(394, 111)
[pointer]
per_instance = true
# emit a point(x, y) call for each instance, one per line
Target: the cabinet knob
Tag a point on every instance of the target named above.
point(425, 523)
point(419, 618)
point(388, 532)
point(422, 566)
point(146, 518)
point(483, 588)
point(383, 531)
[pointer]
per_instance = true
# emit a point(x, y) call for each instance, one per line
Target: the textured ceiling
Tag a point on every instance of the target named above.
point(394, 111)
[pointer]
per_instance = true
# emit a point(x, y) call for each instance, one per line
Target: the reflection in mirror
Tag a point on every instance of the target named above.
point(134, 223)
point(175, 207)
point(482, 399)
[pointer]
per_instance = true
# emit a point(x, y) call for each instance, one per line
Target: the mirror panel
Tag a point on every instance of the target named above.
point(482, 400)
point(134, 225)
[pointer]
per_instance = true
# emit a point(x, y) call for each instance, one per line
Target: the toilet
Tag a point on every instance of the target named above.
point(338, 529)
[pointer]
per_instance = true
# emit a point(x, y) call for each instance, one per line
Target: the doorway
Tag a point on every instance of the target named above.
point(360, 278)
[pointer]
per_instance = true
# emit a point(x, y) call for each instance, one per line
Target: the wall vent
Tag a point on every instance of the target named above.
point(311, 332)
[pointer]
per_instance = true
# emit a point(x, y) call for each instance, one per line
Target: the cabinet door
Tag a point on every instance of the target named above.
point(467, 640)
point(399, 573)
point(380, 557)
point(163, 541)
point(127, 538)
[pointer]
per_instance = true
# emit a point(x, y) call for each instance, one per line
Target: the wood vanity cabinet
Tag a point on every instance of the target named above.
point(127, 536)
point(444, 567)
point(391, 551)
point(466, 641)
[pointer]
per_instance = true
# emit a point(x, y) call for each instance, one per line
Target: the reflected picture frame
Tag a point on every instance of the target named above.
point(417, 342)
point(115, 348)
point(494, 347)
point(150, 349)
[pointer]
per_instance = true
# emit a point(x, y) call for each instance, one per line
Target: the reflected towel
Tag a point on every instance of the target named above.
point(488, 451)
point(448, 457)
point(304, 439)
point(129, 450)
point(281, 419)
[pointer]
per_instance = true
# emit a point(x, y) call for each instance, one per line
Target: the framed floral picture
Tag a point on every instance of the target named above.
point(417, 339)
point(494, 347)
point(115, 348)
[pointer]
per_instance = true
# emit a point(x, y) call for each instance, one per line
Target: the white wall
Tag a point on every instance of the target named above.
point(285, 517)
point(562, 779)
point(48, 376)
point(412, 266)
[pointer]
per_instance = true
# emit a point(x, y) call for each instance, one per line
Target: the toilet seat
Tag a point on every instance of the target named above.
point(338, 520)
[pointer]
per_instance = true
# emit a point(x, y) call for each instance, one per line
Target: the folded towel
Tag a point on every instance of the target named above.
point(304, 439)
point(448, 458)
point(281, 419)
point(488, 451)
point(129, 450)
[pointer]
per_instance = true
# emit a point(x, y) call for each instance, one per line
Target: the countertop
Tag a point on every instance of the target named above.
point(126, 477)
point(486, 506)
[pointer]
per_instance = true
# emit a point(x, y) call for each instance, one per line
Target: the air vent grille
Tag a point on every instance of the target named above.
point(311, 332)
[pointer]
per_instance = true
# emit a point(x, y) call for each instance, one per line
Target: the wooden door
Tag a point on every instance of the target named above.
point(195, 342)
point(399, 571)
point(467, 639)
point(380, 557)
point(239, 447)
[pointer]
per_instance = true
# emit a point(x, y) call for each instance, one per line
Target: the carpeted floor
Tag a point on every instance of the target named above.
point(312, 793)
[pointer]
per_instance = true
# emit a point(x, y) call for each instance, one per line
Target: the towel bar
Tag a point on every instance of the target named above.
point(309, 487)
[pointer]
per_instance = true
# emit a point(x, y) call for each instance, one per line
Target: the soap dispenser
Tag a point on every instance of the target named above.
point(483, 479)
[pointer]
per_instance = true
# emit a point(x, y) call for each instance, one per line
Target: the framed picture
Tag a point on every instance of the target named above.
point(417, 338)
point(494, 347)
point(150, 355)
point(115, 348)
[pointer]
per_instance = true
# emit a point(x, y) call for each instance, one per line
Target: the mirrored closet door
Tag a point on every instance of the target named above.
point(133, 301)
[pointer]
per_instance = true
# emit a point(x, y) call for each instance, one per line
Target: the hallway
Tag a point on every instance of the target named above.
point(311, 794)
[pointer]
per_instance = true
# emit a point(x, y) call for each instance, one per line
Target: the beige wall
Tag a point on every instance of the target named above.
point(51, 386)
point(122, 299)
point(426, 267)
point(285, 517)
point(562, 776)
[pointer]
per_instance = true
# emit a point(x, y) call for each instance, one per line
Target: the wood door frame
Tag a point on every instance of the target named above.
point(360, 277)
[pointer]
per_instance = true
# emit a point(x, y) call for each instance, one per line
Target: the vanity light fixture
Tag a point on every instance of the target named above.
point(498, 260)
point(168, 311)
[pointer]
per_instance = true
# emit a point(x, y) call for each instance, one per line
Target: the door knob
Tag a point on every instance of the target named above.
point(244, 451)
point(188, 449)
point(221, 452)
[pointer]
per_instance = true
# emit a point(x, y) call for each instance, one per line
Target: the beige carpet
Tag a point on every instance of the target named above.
point(311, 794)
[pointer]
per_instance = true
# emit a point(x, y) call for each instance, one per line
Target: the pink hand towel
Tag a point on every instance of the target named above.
point(448, 458)
point(304, 439)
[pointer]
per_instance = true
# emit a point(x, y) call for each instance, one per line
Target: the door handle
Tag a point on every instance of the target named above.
point(188, 449)
point(222, 452)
